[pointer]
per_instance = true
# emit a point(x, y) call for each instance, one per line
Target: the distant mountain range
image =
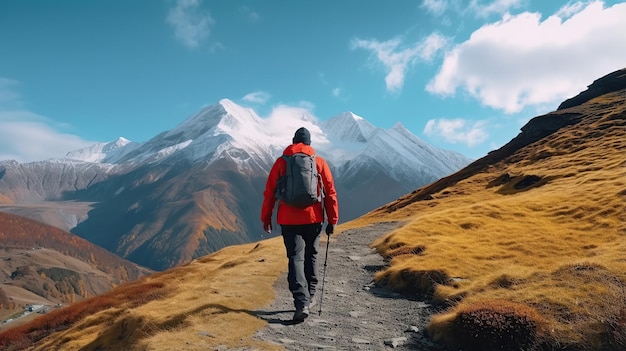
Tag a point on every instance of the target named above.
point(198, 187)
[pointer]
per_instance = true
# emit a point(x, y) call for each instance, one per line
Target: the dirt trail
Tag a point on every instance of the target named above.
point(356, 314)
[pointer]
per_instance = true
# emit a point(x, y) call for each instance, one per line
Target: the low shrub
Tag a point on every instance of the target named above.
point(405, 250)
point(495, 325)
point(414, 282)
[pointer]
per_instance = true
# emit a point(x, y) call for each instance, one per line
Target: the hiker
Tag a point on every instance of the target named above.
point(301, 226)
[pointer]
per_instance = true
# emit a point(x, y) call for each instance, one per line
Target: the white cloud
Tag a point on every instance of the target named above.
point(249, 13)
point(497, 7)
point(258, 97)
point(8, 92)
point(457, 130)
point(476, 8)
point(336, 92)
point(522, 61)
point(284, 120)
point(27, 137)
point(436, 7)
point(570, 9)
point(396, 60)
point(432, 45)
point(191, 25)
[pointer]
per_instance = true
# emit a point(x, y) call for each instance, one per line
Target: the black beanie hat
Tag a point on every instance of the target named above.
point(302, 136)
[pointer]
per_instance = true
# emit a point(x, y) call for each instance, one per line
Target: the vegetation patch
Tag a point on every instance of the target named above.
point(58, 274)
point(514, 184)
point(595, 302)
point(413, 282)
point(405, 250)
point(493, 325)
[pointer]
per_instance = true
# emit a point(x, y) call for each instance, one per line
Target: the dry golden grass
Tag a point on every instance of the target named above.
point(545, 228)
point(209, 302)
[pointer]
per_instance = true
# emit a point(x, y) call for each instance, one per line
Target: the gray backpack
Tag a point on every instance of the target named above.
point(301, 185)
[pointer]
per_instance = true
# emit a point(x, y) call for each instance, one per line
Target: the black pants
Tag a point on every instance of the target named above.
point(302, 244)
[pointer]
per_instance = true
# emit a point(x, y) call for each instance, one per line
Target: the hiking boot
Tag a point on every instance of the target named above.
point(313, 302)
point(301, 314)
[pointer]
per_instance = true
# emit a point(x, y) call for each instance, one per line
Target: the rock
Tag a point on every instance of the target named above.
point(361, 341)
point(355, 314)
point(413, 329)
point(395, 342)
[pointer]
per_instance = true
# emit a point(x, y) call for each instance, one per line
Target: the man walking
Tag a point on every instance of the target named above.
point(301, 226)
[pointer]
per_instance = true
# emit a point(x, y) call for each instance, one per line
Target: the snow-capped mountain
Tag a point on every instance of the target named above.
point(111, 152)
point(198, 187)
point(348, 127)
point(229, 130)
point(213, 132)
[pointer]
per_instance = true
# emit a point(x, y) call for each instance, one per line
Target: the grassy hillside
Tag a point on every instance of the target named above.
point(528, 250)
point(204, 304)
point(525, 247)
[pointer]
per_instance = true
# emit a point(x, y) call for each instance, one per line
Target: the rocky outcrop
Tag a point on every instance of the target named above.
point(611, 82)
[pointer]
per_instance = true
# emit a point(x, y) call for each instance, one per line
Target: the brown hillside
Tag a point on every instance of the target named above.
point(54, 265)
point(171, 215)
point(523, 249)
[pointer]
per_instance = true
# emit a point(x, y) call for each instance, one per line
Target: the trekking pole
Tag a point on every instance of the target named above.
point(324, 275)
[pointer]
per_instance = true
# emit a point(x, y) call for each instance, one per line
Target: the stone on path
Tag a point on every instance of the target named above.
point(395, 342)
point(360, 341)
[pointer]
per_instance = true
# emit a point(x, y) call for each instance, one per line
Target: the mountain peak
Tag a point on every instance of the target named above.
point(348, 126)
point(399, 127)
point(232, 108)
point(120, 142)
point(350, 114)
point(98, 152)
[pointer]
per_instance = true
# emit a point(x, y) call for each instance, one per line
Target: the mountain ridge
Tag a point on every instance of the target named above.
point(207, 131)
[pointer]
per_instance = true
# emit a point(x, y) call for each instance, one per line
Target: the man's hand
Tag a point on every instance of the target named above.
point(330, 228)
point(267, 226)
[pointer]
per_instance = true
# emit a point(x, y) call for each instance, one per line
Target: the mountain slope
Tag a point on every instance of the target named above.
point(524, 248)
point(537, 230)
point(57, 266)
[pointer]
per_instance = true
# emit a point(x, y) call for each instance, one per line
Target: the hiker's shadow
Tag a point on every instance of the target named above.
point(265, 315)
point(268, 317)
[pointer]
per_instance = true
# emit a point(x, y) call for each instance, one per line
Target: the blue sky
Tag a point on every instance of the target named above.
point(462, 75)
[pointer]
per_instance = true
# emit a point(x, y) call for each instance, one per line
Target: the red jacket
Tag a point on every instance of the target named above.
point(295, 215)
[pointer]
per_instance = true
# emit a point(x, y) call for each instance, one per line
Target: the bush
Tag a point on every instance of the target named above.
point(496, 325)
point(414, 282)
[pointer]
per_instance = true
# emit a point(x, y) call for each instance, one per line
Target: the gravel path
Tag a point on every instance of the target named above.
point(356, 314)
